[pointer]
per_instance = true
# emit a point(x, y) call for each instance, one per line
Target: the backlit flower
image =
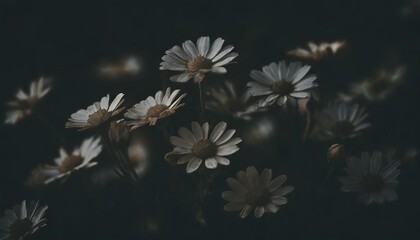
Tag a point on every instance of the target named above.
point(195, 60)
point(67, 163)
point(226, 101)
point(280, 82)
point(317, 51)
point(124, 67)
point(340, 120)
point(196, 146)
point(22, 220)
point(252, 192)
point(376, 87)
point(25, 102)
point(372, 179)
point(152, 109)
point(96, 114)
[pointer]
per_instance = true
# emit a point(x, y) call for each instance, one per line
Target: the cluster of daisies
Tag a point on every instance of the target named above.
point(205, 146)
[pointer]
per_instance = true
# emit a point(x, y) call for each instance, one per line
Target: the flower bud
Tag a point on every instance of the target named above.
point(336, 152)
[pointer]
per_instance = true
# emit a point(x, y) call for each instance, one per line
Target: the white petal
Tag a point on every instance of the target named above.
point(205, 128)
point(116, 101)
point(222, 160)
point(259, 212)
point(299, 94)
point(193, 165)
point(225, 136)
point(179, 142)
point(105, 102)
point(203, 45)
point(218, 131)
point(215, 48)
point(211, 163)
point(226, 150)
point(183, 77)
point(276, 183)
point(190, 48)
point(197, 131)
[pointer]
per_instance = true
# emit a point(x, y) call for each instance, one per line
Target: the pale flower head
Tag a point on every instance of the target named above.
point(282, 82)
point(96, 114)
point(25, 102)
point(152, 109)
point(340, 120)
point(317, 51)
point(195, 60)
point(22, 220)
point(226, 100)
point(67, 163)
point(128, 66)
point(252, 192)
point(376, 87)
point(372, 179)
point(197, 146)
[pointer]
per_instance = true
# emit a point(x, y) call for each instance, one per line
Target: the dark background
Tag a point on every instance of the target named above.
point(66, 40)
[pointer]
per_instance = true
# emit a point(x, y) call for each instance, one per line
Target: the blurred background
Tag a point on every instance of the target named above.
point(93, 48)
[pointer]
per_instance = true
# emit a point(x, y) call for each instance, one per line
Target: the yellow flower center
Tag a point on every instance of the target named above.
point(198, 63)
point(20, 228)
point(204, 149)
point(372, 183)
point(258, 197)
point(282, 87)
point(155, 111)
point(97, 117)
point(70, 163)
point(342, 129)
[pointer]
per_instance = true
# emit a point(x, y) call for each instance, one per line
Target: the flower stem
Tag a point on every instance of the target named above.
point(201, 89)
point(124, 167)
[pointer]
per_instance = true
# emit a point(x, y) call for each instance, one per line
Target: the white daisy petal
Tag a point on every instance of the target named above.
point(193, 164)
point(211, 163)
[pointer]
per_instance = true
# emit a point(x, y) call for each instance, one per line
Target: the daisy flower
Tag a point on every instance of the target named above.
point(280, 82)
point(22, 220)
point(341, 120)
point(195, 60)
point(317, 51)
point(67, 163)
point(372, 179)
point(225, 100)
point(96, 114)
point(377, 87)
point(152, 109)
point(129, 66)
point(194, 147)
point(250, 191)
point(25, 102)
point(118, 131)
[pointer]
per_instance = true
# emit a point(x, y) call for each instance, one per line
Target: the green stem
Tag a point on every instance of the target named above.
point(201, 89)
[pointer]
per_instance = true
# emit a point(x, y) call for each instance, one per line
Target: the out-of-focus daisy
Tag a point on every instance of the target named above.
point(139, 157)
point(280, 82)
point(22, 220)
point(195, 60)
point(340, 120)
point(194, 147)
point(372, 179)
point(250, 191)
point(67, 163)
point(377, 87)
point(118, 131)
point(226, 101)
point(129, 66)
point(25, 102)
point(317, 51)
point(96, 114)
point(152, 109)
